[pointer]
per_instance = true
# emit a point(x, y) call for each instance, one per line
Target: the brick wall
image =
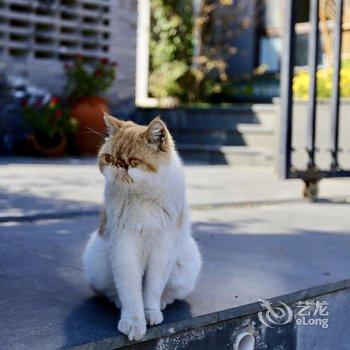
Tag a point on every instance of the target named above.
point(36, 46)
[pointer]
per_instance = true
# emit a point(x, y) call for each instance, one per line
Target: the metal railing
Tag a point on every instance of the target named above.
point(311, 175)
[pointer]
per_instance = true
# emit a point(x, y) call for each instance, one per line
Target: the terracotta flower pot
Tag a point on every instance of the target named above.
point(89, 112)
point(43, 146)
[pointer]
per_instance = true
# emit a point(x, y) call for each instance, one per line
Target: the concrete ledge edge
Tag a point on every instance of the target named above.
point(213, 318)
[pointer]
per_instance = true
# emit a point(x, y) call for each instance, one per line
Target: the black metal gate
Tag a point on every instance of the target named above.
point(311, 174)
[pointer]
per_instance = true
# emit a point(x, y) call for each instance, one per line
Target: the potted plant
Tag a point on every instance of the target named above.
point(85, 84)
point(49, 124)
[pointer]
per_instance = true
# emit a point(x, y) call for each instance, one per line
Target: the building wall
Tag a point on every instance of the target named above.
point(38, 37)
point(244, 59)
point(261, 43)
point(273, 31)
point(123, 48)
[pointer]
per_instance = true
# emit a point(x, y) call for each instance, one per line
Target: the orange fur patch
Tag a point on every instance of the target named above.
point(129, 142)
point(103, 222)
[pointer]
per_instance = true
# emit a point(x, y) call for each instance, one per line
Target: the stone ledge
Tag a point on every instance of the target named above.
point(46, 303)
point(181, 329)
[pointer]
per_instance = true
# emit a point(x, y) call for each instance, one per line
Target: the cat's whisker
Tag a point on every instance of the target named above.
point(116, 177)
point(133, 194)
point(95, 132)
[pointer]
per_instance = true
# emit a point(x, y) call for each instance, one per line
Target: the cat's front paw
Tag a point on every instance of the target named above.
point(153, 317)
point(134, 329)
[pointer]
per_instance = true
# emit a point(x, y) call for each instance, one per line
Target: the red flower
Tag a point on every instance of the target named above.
point(78, 56)
point(114, 64)
point(98, 73)
point(58, 113)
point(54, 100)
point(104, 60)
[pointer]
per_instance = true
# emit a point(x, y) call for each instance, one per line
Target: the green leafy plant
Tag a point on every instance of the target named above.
point(89, 79)
point(171, 47)
point(191, 44)
point(217, 24)
point(50, 119)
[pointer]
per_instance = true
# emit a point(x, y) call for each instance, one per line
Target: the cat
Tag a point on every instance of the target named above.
point(143, 257)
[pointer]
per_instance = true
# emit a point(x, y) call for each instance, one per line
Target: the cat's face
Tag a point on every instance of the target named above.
point(132, 155)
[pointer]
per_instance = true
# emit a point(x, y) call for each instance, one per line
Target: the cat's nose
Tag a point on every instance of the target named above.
point(120, 163)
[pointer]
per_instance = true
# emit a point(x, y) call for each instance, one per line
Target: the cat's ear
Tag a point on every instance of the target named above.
point(157, 132)
point(113, 124)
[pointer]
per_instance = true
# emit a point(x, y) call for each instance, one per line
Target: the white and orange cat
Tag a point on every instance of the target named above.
point(143, 257)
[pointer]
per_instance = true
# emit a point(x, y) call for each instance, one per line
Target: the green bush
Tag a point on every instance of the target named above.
point(171, 47)
point(49, 119)
point(178, 67)
point(84, 80)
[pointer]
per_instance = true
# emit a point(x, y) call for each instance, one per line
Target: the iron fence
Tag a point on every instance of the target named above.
point(311, 174)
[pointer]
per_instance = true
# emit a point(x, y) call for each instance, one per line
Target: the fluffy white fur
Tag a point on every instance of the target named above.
point(147, 258)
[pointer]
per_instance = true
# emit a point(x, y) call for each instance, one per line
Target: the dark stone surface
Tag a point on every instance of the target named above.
point(45, 302)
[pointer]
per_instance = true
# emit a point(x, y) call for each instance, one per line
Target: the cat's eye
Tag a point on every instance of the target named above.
point(134, 162)
point(109, 158)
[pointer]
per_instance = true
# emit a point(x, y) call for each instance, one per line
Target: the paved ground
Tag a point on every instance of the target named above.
point(249, 252)
point(32, 187)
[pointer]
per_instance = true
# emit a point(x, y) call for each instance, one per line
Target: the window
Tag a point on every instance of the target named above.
point(301, 50)
point(270, 51)
point(270, 38)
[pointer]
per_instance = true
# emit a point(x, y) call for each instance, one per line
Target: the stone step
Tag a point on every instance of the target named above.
point(257, 135)
point(231, 155)
point(207, 137)
point(215, 117)
point(244, 135)
point(265, 113)
point(235, 135)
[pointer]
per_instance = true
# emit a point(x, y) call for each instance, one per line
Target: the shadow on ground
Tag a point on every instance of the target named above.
point(49, 160)
point(22, 204)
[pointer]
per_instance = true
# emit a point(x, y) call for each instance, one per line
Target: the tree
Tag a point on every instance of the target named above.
point(191, 45)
